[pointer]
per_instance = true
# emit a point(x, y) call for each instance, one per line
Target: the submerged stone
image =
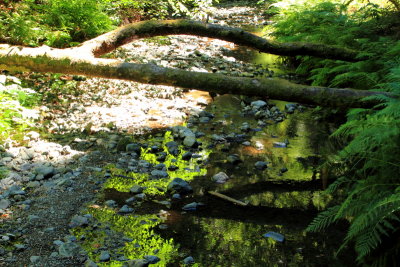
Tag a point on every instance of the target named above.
point(191, 206)
point(136, 189)
point(104, 256)
point(126, 209)
point(187, 155)
point(234, 159)
point(280, 144)
point(276, 236)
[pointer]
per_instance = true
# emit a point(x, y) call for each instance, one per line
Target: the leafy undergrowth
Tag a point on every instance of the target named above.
point(368, 164)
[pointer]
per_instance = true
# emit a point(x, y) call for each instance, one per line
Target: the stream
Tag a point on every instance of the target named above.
point(270, 163)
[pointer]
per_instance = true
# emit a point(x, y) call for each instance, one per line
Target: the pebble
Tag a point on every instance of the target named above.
point(126, 209)
point(4, 204)
point(188, 260)
point(104, 256)
point(220, 178)
point(180, 186)
point(260, 165)
point(152, 259)
point(136, 189)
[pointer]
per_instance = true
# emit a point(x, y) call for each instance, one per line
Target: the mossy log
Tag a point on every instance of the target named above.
point(83, 60)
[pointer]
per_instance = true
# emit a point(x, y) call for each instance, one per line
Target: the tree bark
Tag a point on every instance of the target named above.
point(82, 61)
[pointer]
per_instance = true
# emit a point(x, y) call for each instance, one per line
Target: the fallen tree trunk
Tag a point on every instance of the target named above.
point(82, 61)
point(109, 41)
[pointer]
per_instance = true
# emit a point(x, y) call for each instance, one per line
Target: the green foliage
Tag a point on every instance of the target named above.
point(15, 109)
point(82, 19)
point(369, 162)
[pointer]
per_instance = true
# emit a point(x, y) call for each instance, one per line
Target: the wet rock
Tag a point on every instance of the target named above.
point(173, 168)
point(258, 104)
point(172, 147)
point(160, 166)
point(136, 189)
point(204, 113)
point(220, 178)
point(189, 141)
point(69, 249)
point(104, 256)
point(188, 260)
point(140, 196)
point(290, 108)
point(246, 143)
point(133, 148)
point(283, 170)
point(180, 186)
point(130, 200)
point(162, 156)
point(260, 165)
point(157, 174)
point(182, 132)
point(111, 203)
point(276, 236)
point(187, 155)
point(152, 259)
point(280, 144)
point(19, 247)
point(78, 221)
point(191, 206)
point(218, 138)
point(234, 159)
point(176, 196)
point(126, 209)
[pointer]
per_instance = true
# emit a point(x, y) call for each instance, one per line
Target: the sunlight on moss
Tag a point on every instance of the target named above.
point(139, 228)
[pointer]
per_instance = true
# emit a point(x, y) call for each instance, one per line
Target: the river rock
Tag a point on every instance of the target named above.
point(138, 263)
point(78, 221)
point(234, 159)
point(188, 260)
point(180, 186)
point(276, 236)
point(111, 203)
point(260, 165)
point(172, 147)
point(280, 144)
point(26, 154)
point(189, 141)
point(69, 249)
point(126, 209)
point(45, 171)
point(4, 204)
point(245, 127)
point(258, 104)
point(290, 108)
point(104, 256)
point(136, 189)
point(191, 206)
point(133, 148)
point(157, 174)
point(220, 178)
point(152, 259)
point(187, 155)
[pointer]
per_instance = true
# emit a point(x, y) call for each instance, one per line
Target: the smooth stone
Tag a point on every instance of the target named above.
point(246, 143)
point(104, 256)
point(234, 159)
point(126, 209)
point(188, 260)
point(180, 186)
point(47, 172)
point(140, 196)
point(191, 206)
point(130, 200)
point(111, 203)
point(19, 247)
point(90, 263)
point(173, 168)
point(283, 170)
point(152, 259)
point(69, 249)
point(176, 196)
point(261, 165)
point(78, 221)
point(218, 138)
point(4, 204)
point(172, 147)
point(187, 155)
point(276, 236)
point(136, 189)
point(189, 141)
point(133, 148)
point(220, 178)
point(258, 104)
